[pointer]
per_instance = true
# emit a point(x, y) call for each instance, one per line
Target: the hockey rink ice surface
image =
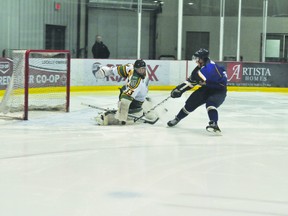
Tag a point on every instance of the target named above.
point(63, 164)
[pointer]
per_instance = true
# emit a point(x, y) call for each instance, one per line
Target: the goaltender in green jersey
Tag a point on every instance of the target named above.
point(133, 93)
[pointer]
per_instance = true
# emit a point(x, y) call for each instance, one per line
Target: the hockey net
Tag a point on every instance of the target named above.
point(40, 81)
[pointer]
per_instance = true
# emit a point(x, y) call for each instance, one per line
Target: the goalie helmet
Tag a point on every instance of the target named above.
point(202, 54)
point(140, 68)
point(139, 63)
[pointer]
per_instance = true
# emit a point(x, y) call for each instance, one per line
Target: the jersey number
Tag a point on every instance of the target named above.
point(129, 92)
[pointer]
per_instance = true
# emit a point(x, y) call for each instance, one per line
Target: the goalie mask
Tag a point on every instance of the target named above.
point(140, 67)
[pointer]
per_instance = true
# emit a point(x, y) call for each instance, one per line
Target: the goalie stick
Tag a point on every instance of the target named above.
point(129, 115)
point(153, 108)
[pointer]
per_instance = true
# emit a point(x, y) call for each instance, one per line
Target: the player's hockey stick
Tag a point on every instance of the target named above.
point(114, 110)
point(153, 108)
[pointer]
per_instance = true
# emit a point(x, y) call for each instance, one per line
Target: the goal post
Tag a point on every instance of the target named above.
point(40, 81)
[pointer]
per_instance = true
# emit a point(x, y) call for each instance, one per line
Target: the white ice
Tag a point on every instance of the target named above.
point(63, 164)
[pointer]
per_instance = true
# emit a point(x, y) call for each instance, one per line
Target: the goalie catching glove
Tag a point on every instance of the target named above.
point(100, 72)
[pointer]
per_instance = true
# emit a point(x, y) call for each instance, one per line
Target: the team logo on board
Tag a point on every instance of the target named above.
point(4, 67)
point(234, 72)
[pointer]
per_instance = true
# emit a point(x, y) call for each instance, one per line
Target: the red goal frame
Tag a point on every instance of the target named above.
point(26, 80)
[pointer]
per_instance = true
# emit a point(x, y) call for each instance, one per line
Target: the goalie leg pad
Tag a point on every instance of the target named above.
point(110, 119)
point(107, 118)
point(123, 109)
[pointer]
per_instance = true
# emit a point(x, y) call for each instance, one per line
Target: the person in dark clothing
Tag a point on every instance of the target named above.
point(99, 49)
point(212, 79)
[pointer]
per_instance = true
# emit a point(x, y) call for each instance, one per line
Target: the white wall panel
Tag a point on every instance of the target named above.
point(31, 24)
point(66, 16)
point(119, 32)
point(9, 22)
point(23, 23)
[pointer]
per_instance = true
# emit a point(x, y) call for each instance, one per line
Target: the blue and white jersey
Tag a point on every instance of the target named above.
point(211, 75)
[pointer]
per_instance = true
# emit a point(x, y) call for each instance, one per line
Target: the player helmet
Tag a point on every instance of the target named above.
point(139, 63)
point(140, 68)
point(202, 54)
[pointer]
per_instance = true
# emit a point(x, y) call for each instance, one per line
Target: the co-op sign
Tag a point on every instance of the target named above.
point(40, 75)
point(6, 68)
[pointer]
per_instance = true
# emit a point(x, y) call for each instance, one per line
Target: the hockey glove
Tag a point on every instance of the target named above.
point(176, 93)
point(180, 89)
point(100, 72)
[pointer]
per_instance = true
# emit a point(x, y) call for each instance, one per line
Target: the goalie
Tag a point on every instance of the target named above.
point(132, 95)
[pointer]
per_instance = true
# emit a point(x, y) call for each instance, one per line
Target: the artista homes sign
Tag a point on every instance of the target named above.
point(256, 74)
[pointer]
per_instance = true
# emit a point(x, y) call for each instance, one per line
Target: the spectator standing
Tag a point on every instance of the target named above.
point(99, 49)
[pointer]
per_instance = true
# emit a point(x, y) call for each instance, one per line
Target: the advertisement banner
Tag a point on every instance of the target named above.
point(43, 72)
point(256, 74)
point(6, 69)
point(47, 72)
point(158, 72)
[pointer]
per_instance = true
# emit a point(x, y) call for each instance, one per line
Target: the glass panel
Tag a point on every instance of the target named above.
point(250, 8)
point(201, 7)
point(273, 48)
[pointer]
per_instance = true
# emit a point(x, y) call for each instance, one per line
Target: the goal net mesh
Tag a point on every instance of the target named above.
point(40, 81)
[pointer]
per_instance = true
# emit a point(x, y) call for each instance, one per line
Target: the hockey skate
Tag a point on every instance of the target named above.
point(213, 127)
point(173, 122)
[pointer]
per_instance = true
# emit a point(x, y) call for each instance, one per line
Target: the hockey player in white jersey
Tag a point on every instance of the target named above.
point(132, 95)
